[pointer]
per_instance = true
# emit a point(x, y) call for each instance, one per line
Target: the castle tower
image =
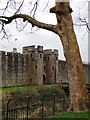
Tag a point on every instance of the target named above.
point(35, 72)
point(8, 78)
point(50, 75)
point(11, 69)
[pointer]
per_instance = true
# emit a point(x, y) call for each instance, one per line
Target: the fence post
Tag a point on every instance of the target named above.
point(8, 109)
point(54, 95)
point(63, 102)
point(42, 99)
point(28, 106)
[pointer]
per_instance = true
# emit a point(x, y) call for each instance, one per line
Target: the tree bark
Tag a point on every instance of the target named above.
point(77, 85)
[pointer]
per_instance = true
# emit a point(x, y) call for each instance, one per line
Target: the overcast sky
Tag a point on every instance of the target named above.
point(48, 39)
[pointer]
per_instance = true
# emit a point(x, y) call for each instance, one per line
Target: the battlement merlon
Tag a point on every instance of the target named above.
point(55, 52)
point(40, 48)
point(14, 50)
point(4, 53)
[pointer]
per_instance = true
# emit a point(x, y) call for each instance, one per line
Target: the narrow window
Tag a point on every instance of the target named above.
point(40, 55)
point(56, 58)
point(48, 58)
point(44, 79)
point(44, 67)
point(36, 66)
point(31, 55)
point(52, 68)
point(44, 58)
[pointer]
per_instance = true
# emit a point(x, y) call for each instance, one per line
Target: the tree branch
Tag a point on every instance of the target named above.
point(28, 18)
point(19, 7)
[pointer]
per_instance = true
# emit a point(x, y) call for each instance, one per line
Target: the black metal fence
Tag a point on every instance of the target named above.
point(35, 107)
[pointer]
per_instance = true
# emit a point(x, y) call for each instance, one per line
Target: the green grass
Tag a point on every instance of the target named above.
point(15, 89)
point(25, 91)
point(72, 115)
point(15, 92)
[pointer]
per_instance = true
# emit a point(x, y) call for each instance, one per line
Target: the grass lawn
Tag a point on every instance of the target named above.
point(16, 92)
point(72, 116)
point(23, 88)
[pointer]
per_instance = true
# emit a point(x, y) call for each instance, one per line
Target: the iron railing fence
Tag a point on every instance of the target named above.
point(41, 107)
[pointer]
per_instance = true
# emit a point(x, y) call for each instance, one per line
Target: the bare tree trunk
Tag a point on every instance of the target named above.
point(78, 91)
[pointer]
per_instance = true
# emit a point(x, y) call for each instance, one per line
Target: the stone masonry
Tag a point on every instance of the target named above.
point(34, 66)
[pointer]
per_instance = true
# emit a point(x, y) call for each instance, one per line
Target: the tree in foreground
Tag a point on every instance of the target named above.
point(64, 29)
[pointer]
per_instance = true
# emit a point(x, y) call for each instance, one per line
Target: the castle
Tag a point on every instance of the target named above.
point(34, 66)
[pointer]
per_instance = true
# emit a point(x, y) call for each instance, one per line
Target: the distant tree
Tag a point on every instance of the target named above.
point(64, 29)
point(81, 19)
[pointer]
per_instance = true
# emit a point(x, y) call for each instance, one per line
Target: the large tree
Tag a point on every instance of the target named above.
point(64, 29)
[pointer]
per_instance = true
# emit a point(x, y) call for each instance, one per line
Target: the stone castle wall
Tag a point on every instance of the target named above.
point(34, 67)
point(14, 69)
point(63, 72)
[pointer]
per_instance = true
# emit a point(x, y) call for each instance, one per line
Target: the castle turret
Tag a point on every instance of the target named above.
point(35, 72)
point(50, 66)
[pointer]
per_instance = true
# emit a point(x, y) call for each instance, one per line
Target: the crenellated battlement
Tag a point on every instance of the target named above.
point(29, 49)
point(50, 51)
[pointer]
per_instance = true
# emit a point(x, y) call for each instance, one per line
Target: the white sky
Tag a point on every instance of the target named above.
point(48, 39)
